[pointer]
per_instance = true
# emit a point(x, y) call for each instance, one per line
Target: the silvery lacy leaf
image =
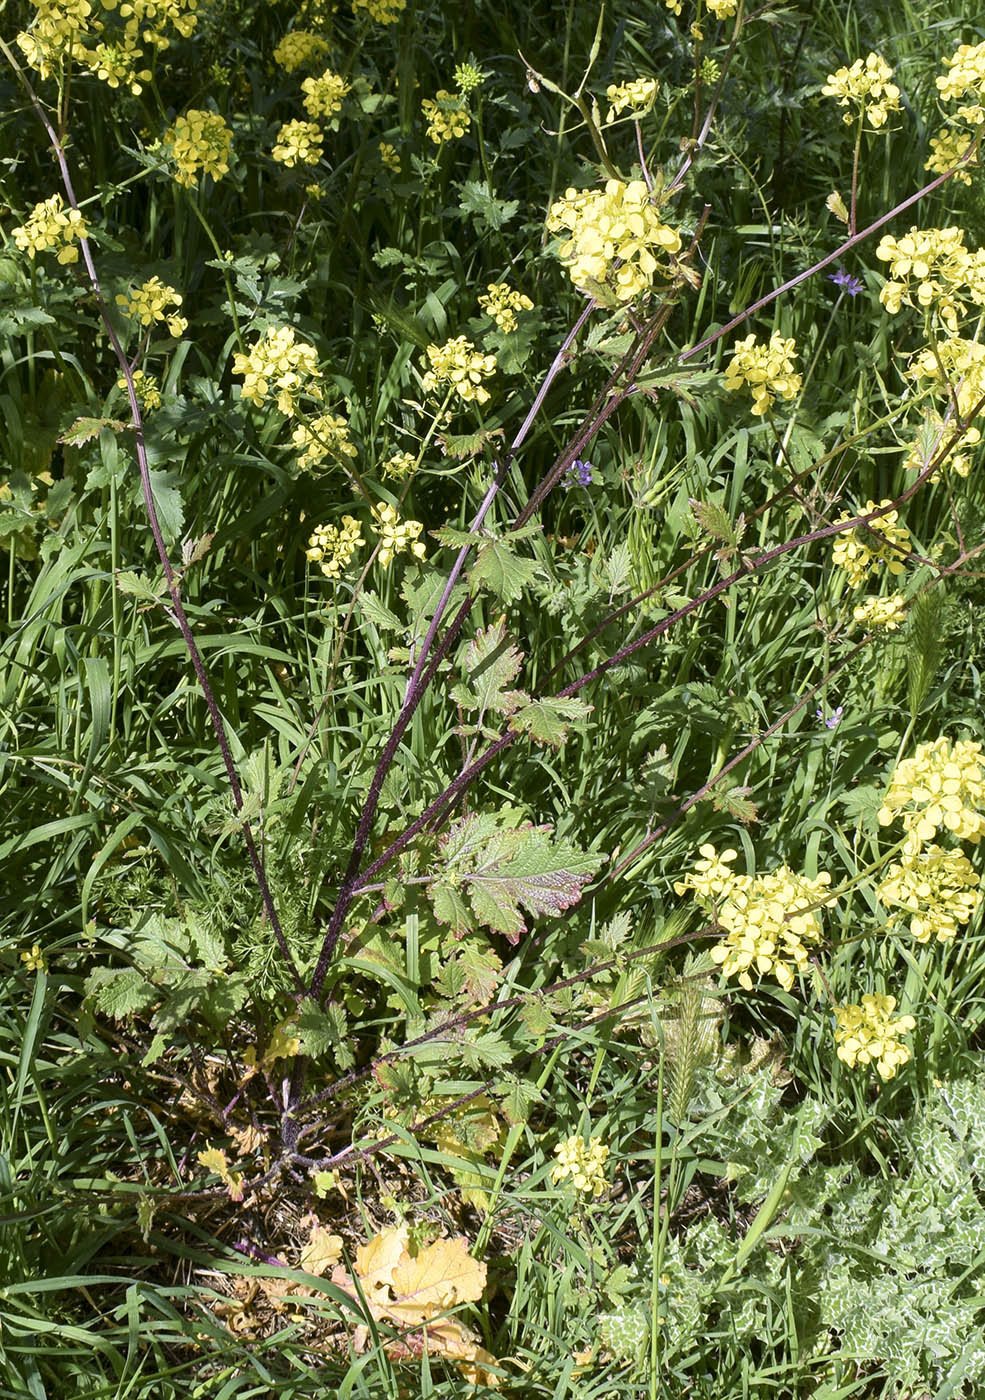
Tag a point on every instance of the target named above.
point(503, 871)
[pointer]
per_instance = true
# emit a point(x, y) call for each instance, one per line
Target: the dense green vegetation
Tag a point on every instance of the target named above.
point(490, 717)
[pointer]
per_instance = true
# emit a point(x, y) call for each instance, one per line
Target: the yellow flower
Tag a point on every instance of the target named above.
point(946, 149)
point(502, 303)
point(389, 156)
point(617, 239)
point(460, 365)
point(325, 436)
point(942, 785)
point(769, 919)
point(868, 1034)
point(881, 612)
point(965, 71)
point(861, 550)
point(149, 303)
point(865, 84)
point(50, 225)
point(323, 96)
point(768, 370)
point(722, 9)
point(279, 361)
point(399, 464)
point(583, 1162)
point(447, 117)
point(331, 547)
point(298, 49)
point(147, 390)
point(639, 95)
point(33, 961)
point(298, 143)
point(396, 534)
point(383, 11)
point(199, 141)
point(931, 268)
point(940, 888)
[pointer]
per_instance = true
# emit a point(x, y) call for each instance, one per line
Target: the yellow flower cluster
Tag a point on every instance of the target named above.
point(965, 72)
point(616, 234)
point(859, 551)
point(946, 149)
point(400, 464)
point(149, 303)
point(502, 303)
point(447, 116)
point(147, 389)
point(50, 225)
point(298, 143)
point(325, 436)
point(67, 30)
point(866, 84)
point(298, 49)
point(331, 547)
point(767, 369)
point(868, 1034)
point(199, 141)
point(769, 919)
point(940, 888)
point(279, 362)
point(932, 268)
point(921, 452)
point(458, 364)
point(323, 96)
point(395, 534)
point(389, 156)
point(383, 11)
point(942, 785)
point(722, 9)
point(584, 1162)
point(638, 95)
point(881, 612)
point(957, 367)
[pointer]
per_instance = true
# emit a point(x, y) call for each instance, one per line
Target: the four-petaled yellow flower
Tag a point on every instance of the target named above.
point(868, 1034)
point(331, 547)
point(199, 141)
point(768, 370)
point(325, 436)
point(298, 49)
point(618, 242)
point(396, 534)
point(298, 143)
point(638, 95)
point(501, 302)
point(942, 785)
point(458, 364)
point(583, 1162)
point(149, 303)
point(860, 551)
point(887, 613)
point(447, 117)
point(866, 85)
point(280, 362)
point(33, 961)
point(323, 96)
point(49, 226)
point(940, 889)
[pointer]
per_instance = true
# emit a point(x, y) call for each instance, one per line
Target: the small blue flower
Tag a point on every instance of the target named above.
point(578, 474)
point(845, 282)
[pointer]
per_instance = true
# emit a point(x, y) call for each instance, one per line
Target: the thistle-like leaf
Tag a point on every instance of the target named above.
point(491, 662)
point(548, 720)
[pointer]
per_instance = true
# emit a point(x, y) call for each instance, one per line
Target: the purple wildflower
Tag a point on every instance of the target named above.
point(578, 474)
point(845, 282)
point(834, 719)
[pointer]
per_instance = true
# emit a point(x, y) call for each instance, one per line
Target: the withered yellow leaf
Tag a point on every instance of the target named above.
point(441, 1276)
point(322, 1251)
point(376, 1261)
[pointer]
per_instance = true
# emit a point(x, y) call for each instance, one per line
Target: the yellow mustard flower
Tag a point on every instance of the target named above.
point(396, 535)
point(331, 547)
point(582, 1162)
point(617, 239)
point(768, 370)
point(869, 1034)
point(149, 303)
point(325, 436)
point(865, 85)
point(281, 364)
point(298, 143)
point(940, 889)
point(323, 96)
point(862, 550)
point(502, 303)
point(299, 49)
point(458, 364)
point(200, 141)
point(886, 613)
point(447, 117)
point(49, 226)
point(942, 785)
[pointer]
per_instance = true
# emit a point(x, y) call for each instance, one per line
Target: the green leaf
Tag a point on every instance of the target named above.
point(736, 802)
point(505, 870)
point(478, 201)
point(714, 520)
point(119, 992)
point(491, 662)
point(168, 502)
point(84, 429)
point(488, 1050)
point(548, 720)
point(141, 586)
point(480, 967)
point(496, 566)
point(324, 1033)
point(378, 613)
point(518, 1099)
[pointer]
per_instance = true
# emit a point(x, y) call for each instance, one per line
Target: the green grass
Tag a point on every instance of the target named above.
point(774, 1223)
